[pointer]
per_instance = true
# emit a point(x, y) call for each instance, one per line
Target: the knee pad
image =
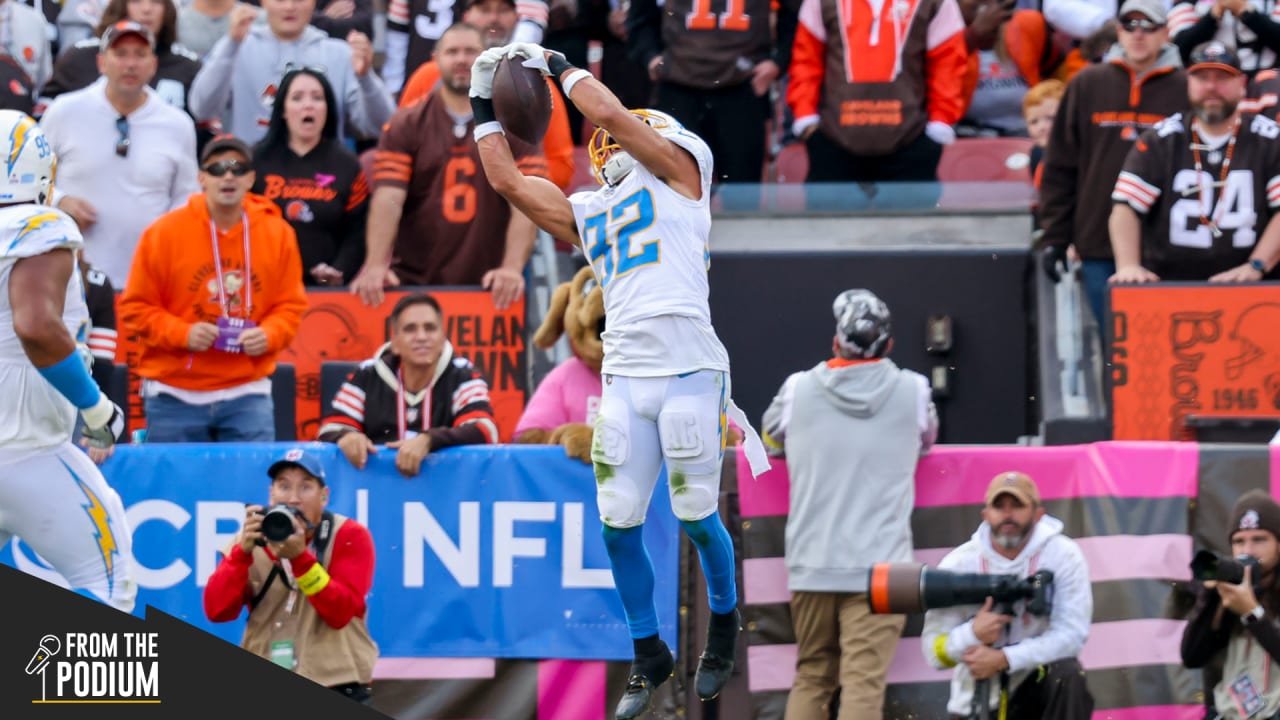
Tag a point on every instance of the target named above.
point(693, 497)
point(617, 502)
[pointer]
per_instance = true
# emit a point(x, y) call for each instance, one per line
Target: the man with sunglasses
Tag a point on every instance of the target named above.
point(124, 154)
point(1106, 107)
point(214, 294)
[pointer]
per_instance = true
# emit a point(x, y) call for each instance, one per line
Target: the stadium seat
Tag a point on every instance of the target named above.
point(283, 386)
point(986, 160)
point(332, 375)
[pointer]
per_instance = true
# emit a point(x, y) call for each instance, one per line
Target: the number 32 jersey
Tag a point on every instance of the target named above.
point(648, 246)
point(1159, 181)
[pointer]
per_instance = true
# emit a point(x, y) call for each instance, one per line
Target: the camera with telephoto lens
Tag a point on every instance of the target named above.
point(277, 523)
point(906, 588)
point(1208, 565)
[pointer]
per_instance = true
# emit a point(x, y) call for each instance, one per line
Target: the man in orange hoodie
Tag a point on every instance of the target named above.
point(214, 294)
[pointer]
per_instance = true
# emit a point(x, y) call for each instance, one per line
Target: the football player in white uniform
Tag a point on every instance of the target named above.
point(51, 495)
point(666, 374)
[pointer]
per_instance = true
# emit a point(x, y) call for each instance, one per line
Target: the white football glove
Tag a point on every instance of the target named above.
point(482, 72)
point(103, 423)
point(533, 55)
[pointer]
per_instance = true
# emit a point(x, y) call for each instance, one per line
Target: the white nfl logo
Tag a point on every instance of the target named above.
point(1249, 521)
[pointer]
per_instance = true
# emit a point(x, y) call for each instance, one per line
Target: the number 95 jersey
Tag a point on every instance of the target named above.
point(648, 246)
point(33, 414)
point(1159, 181)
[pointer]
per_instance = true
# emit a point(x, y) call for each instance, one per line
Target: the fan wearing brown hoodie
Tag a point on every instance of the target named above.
point(209, 338)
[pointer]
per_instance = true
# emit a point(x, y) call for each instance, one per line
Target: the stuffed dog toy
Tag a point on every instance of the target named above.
point(563, 409)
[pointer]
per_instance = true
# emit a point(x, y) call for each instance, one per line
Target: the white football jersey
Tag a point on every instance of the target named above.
point(33, 414)
point(648, 247)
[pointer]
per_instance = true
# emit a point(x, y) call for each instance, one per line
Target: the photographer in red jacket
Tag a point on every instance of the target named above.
point(304, 573)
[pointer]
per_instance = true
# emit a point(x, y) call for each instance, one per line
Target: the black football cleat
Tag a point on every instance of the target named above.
point(716, 664)
point(648, 672)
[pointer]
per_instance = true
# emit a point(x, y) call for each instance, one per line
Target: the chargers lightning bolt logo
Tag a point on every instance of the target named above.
point(34, 223)
point(18, 140)
point(97, 513)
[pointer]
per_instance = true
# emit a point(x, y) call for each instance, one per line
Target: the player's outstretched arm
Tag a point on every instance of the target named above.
point(598, 104)
point(540, 200)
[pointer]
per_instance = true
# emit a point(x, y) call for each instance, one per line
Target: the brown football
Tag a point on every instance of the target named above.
point(521, 100)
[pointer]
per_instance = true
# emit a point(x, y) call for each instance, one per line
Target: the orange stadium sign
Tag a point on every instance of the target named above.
point(1192, 350)
point(338, 327)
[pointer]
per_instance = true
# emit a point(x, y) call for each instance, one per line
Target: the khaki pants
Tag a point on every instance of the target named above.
point(839, 643)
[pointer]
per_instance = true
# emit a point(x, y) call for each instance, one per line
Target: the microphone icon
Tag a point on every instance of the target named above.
point(49, 646)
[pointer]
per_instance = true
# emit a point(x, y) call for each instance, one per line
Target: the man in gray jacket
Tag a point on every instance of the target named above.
point(238, 81)
point(852, 429)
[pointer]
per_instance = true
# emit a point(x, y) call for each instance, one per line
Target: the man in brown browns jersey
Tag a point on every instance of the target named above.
point(1198, 196)
point(433, 218)
point(714, 62)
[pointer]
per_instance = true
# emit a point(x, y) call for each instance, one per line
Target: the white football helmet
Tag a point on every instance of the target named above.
point(609, 162)
point(30, 164)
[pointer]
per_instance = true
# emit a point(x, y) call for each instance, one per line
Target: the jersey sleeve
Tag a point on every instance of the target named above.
point(42, 230)
point(393, 158)
point(696, 147)
point(100, 298)
point(346, 411)
point(1138, 185)
point(470, 403)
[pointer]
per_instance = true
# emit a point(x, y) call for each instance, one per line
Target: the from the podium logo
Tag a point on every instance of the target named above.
point(97, 668)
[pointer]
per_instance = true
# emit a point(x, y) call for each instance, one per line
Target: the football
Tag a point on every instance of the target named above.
point(521, 100)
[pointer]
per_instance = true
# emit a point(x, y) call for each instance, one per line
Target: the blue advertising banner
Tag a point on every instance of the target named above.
point(488, 552)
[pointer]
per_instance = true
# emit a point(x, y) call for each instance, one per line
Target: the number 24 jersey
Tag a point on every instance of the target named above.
point(648, 246)
point(1159, 181)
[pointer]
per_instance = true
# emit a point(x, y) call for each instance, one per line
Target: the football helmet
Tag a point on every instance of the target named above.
point(30, 164)
point(609, 162)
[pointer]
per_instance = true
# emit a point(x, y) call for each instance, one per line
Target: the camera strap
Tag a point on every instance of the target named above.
point(319, 545)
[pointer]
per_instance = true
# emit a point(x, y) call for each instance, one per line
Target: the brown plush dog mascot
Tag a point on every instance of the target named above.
point(563, 409)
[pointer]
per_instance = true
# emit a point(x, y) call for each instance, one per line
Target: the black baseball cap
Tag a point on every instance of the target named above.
point(1214, 55)
point(223, 143)
point(299, 458)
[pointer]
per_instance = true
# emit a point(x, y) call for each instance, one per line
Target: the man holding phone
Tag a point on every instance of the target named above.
point(214, 294)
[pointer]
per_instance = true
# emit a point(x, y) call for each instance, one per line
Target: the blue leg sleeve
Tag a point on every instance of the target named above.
point(633, 576)
point(715, 550)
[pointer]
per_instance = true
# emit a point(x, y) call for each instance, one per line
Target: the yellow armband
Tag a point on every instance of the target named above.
point(313, 580)
point(939, 649)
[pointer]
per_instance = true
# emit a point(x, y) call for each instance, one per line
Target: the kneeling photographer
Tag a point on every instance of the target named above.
point(1023, 651)
point(304, 574)
point(1237, 612)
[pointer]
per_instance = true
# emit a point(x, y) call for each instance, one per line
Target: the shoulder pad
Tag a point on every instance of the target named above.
point(92, 42)
point(181, 51)
point(461, 362)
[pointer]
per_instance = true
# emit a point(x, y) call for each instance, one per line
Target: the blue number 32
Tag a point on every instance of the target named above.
point(608, 237)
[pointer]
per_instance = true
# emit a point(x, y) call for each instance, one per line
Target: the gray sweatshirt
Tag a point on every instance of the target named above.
point(852, 434)
point(238, 83)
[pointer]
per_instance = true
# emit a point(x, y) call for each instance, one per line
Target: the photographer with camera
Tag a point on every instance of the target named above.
point(1027, 660)
point(1237, 612)
point(304, 573)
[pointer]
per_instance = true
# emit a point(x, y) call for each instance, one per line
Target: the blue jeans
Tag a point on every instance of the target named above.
point(250, 418)
point(1095, 274)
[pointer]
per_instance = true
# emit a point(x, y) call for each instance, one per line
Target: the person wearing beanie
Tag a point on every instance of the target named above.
point(1239, 616)
point(851, 429)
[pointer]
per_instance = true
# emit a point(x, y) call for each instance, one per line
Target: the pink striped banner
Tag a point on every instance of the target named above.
point(950, 476)
point(571, 690)
point(410, 668)
point(1110, 557)
point(1125, 643)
